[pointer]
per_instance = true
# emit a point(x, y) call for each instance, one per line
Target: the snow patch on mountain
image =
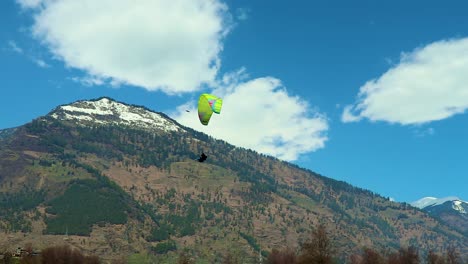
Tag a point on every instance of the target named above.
point(457, 203)
point(99, 111)
point(424, 202)
point(107, 111)
point(431, 201)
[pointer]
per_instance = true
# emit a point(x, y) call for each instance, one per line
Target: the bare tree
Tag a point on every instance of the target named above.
point(409, 255)
point(28, 248)
point(65, 254)
point(285, 256)
point(434, 258)
point(318, 250)
point(393, 258)
point(92, 260)
point(371, 256)
point(355, 259)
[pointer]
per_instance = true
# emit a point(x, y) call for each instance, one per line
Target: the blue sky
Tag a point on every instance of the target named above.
point(374, 94)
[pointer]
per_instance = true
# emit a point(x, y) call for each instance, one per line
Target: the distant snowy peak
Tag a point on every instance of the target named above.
point(460, 206)
point(429, 201)
point(107, 111)
point(456, 203)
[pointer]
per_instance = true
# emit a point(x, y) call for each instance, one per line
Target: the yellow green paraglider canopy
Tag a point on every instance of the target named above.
point(207, 105)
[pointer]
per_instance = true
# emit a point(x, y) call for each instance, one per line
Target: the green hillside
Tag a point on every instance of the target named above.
point(119, 191)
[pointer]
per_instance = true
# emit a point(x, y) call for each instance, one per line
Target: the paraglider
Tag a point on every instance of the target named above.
point(207, 105)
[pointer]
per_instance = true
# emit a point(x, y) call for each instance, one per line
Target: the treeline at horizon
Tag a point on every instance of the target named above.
point(319, 249)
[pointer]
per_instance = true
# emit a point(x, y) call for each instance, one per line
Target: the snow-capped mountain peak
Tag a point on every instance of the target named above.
point(456, 203)
point(423, 202)
point(107, 111)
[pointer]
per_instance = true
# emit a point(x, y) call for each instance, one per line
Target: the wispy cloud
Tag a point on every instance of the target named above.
point(30, 3)
point(261, 115)
point(242, 13)
point(88, 80)
point(41, 63)
point(428, 84)
point(348, 116)
point(423, 132)
point(14, 47)
point(172, 46)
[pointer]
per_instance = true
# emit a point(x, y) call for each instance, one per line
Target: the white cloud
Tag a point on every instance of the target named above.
point(14, 47)
point(29, 3)
point(171, 46)
point(242, 13)
point(422, 132)
point(88, 80)
point(259, 114)
point(348, 116)
point(430, 131)
point(41, 63)
point(429, 84)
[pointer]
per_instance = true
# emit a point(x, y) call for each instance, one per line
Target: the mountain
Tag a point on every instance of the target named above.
point(106, 111)
point(430, 202)
point(450, 210)
point(119, 180)
point(4, 133)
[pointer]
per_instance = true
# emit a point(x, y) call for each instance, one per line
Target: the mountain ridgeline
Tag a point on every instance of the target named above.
point(114, 179)
point(451, 210)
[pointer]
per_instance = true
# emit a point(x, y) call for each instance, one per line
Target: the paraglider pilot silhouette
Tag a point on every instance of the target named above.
point(202, 157)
